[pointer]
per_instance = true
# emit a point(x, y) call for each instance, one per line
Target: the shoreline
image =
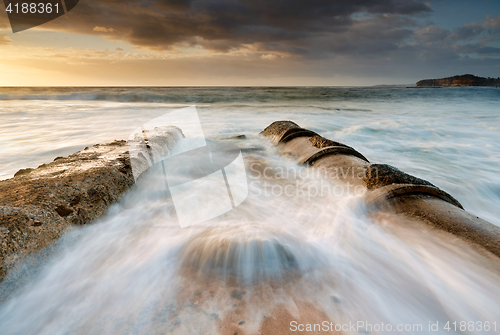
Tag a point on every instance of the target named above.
point(37, 206)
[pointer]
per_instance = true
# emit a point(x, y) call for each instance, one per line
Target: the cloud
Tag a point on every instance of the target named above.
point(467, 32)
point(307, 29)
point(273, 38)
point(269, 56)
point(4, 40)
point(225, 25)
point(103, 29)
point(492, 23)
point(431, 34)
point(479, 49)
point(4, 21)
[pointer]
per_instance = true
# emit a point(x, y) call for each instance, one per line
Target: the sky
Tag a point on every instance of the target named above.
point(254, 42)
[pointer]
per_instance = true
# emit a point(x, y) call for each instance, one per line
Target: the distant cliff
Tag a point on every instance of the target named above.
point(463, 80)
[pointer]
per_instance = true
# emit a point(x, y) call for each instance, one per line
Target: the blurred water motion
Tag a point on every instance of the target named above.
point(136, 271)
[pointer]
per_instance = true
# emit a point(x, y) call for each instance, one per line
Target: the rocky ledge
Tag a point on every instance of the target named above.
point(463, 80)
point(38, 205)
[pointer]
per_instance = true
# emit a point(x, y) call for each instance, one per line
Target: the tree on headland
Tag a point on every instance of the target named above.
point(461, 80)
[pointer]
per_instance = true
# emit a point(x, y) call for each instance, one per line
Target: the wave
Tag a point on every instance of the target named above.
point(196, 94)
point(238, 95)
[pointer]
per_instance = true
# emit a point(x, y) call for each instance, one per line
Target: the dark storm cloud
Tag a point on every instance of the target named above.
point(281, 25)
point(366, 32)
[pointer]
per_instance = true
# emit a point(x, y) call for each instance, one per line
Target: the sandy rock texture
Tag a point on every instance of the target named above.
point(387, 188)
point(38, 205)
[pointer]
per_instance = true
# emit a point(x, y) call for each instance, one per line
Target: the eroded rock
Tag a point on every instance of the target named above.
point(38, 205)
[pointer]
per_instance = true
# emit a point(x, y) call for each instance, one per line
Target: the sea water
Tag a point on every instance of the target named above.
point(125, 273)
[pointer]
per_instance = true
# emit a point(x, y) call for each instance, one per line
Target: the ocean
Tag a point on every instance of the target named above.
point(120, 274)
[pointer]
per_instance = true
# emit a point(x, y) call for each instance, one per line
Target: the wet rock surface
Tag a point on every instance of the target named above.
point(277, 129)
point(379, 175)
point(321, 142)
point(389, 190)
point(38, 205)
